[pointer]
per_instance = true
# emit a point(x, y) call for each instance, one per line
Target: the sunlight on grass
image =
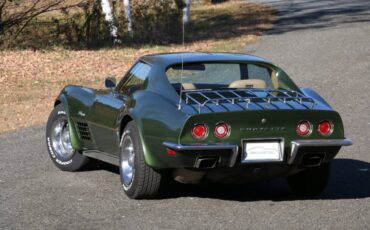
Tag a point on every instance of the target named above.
point(31, 80)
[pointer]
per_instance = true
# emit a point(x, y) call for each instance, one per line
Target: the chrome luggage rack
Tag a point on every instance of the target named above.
point(244, 98)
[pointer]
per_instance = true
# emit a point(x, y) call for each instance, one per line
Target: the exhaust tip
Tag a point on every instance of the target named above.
point(313, 159)
point(206, 162)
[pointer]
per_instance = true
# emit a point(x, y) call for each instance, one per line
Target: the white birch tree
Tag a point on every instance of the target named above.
point(186, 12)
point(108, 15)
point(127, 11)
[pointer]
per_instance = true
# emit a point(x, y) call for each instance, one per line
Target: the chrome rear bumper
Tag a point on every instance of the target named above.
point(295, 145)
point(234, 149)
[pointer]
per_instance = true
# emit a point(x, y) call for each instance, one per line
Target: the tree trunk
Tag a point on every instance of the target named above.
point(186, 12)
point(108, 14)
point(127, 10)
point(2, 5)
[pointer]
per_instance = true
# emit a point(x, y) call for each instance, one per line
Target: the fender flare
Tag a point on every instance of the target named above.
point(132, 116)
point(75, 140)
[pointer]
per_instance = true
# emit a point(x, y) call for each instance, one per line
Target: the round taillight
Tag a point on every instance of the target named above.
point(221, 130)
point(325, 128)
point(304, 128)
point(199, 131)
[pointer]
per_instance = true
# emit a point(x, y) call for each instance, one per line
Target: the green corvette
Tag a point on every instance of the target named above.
point(215, 117)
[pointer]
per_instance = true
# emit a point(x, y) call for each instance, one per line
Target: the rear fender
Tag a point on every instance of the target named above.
point(313, 94)
point(157, 120)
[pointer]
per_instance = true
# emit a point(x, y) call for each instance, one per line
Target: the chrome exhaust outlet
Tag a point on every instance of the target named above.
point(313, 159)
point(206, 162)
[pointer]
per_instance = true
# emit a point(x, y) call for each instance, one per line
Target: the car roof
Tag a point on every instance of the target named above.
point(175, 58)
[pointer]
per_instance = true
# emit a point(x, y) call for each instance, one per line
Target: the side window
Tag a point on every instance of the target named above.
point(261, 73)
point(136, 77)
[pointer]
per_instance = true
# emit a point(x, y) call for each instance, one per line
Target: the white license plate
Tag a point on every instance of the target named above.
point(262, 151)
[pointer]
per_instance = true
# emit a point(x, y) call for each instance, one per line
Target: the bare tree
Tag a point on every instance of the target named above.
point(109, 18)
point(18, 14)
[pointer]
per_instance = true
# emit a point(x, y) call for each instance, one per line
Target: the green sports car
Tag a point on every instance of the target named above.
point(216, 117)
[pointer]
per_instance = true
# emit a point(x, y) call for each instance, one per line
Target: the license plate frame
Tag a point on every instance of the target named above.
point(257, 150)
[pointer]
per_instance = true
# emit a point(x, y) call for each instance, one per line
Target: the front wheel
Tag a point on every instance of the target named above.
point(138, 179)
point(310, 182)
point(59, 144)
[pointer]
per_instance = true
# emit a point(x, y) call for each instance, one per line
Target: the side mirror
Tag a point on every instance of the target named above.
point(110, 82)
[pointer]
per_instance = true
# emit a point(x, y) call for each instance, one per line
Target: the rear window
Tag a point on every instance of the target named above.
point(205, 75)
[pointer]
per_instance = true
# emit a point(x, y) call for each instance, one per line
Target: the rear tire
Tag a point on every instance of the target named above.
point(59, 144)
point(310, 182)
point(139, 181)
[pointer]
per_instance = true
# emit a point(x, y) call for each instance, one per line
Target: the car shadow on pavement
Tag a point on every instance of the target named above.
point(350, 179)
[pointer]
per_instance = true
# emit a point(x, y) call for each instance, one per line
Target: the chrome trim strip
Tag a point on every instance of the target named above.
point(108, 158)
point(179, 147)
point(295, 145)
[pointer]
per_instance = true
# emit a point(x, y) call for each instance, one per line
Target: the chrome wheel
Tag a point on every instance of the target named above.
point(127, 161)
point(138, 179)
point(61, 140)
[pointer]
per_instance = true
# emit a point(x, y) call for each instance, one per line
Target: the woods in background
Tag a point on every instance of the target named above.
point(91, 23)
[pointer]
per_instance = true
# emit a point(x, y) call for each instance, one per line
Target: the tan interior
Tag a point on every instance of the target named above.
point(275, 81)
point(188, 86)
point(253, 83)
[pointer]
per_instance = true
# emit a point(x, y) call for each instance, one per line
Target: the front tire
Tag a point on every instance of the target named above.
point(59, 143)
point(139, 181)
point(310, 182)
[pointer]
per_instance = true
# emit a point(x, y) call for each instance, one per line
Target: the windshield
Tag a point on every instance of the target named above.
point(222, 75)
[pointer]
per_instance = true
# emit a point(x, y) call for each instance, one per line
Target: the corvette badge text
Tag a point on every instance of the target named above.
point(262, 129)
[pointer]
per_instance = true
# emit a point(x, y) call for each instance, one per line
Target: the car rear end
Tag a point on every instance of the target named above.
point(241, 136)
point(243, 116)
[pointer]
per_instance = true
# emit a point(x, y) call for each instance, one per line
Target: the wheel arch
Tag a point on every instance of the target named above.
point(75, 140)
point(136, 119)
point(124, 121)
point(150, 158)
point(57, 102)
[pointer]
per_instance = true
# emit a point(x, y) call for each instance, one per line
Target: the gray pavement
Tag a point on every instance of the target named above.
point(333, 58)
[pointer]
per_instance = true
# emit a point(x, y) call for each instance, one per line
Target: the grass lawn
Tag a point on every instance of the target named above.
point(31, 80)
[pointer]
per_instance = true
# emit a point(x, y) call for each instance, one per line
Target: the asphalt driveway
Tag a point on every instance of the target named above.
point(321, 44)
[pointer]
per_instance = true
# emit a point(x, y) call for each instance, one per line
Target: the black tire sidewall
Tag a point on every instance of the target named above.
point(146, 181)
point(132, 131)
point(77, 160)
